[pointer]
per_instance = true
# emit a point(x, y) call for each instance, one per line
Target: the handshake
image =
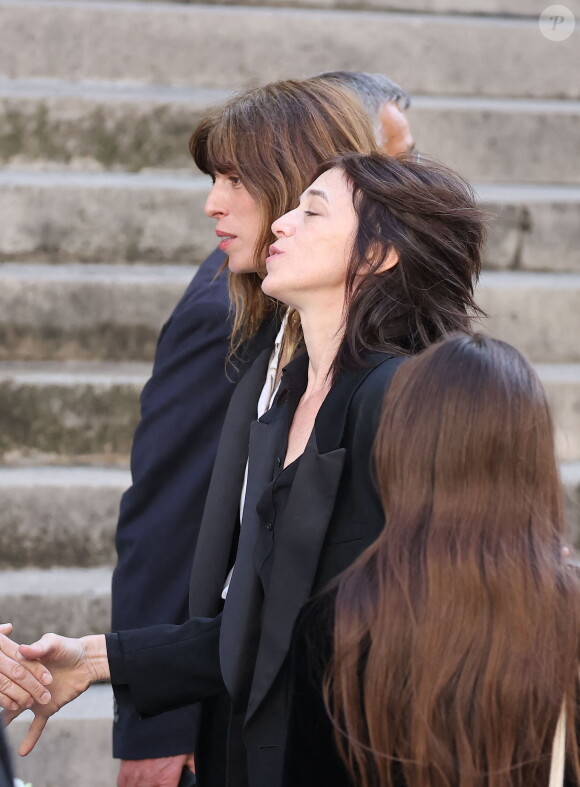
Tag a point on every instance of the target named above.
point(46, 675)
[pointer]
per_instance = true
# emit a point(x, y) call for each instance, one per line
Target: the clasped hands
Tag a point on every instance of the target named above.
point(46, 675)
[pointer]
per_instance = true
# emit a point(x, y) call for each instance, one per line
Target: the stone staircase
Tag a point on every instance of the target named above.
point(102, 226)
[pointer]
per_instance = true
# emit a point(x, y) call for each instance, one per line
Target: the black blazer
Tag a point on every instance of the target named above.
point(183, 407)
point(335, 513)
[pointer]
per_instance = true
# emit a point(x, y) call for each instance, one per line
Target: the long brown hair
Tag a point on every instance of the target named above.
point(275, 137)
point(428, 215)
point(457, 633)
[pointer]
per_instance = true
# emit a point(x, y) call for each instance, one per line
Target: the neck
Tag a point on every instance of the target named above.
point(323, 331)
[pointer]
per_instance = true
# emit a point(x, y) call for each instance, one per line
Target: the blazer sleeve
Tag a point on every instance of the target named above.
point(161, 668)
point(183, 407)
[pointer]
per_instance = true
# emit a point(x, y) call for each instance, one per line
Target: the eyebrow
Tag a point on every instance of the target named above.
point(317, 193)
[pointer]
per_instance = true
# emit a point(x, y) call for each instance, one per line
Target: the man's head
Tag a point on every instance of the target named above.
point(384, 102)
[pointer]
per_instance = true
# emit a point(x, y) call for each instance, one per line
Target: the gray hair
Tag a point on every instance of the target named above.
point(372, 90)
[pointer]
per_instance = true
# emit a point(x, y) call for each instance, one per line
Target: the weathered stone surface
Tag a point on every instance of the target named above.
point(92, 312)
point(56, 217)
point(532, 227)
point(525, 8)
point(537, 312)
point(70, 601)
point(48, 123)
point(58, 412)
point(428, 54)
point(562, 382)
point(570, 474)
point(53, 516)
point(501, 141)
point(90, 126)
point(75, 747)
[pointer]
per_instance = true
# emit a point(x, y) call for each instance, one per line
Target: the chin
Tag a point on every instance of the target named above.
point(271, 288)
point(237, 267)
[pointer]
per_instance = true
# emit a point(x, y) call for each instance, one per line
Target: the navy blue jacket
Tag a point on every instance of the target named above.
point(183, 407)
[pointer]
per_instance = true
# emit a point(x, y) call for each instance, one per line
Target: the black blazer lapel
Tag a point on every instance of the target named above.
point(241, 619)
point(306, 520)
point(308, 515)
point(221, 511)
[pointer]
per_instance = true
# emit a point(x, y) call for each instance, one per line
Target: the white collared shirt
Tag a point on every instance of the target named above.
point(265, 399)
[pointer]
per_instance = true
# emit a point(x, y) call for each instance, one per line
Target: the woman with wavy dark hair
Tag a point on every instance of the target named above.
point(378, 260)
point(444, 654)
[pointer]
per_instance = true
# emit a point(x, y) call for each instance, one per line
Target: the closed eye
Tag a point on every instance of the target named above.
point(311, 213)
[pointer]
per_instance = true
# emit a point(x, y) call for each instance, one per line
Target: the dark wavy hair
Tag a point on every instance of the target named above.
point(457, 633)
point(428, 215)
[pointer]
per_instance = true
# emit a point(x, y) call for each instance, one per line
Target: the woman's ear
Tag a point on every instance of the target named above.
point(388, 261)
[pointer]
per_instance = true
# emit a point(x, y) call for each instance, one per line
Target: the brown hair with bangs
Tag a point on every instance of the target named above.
point(456, 635)
point(275, 137)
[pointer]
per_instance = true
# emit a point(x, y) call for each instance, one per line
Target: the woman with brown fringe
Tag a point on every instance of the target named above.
point(442, 657)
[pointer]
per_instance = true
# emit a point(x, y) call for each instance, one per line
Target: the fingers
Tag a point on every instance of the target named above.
point(32, 736)
point(9, 716)
point(6, 628)
point(21, 682)
point(37, 650)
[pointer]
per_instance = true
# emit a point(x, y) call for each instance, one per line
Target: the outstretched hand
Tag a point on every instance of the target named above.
point(22, 682)
point(74, 665)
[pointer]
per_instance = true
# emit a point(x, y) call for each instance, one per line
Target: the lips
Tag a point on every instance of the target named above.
point(274, 251)
point(225, 239)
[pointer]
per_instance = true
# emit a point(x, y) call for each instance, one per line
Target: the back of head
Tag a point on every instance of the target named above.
point(275, 137)
point(463, 612)
point(372, 90)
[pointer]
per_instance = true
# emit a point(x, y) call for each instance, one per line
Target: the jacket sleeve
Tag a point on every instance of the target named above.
point(160, 668)
point(182, 410)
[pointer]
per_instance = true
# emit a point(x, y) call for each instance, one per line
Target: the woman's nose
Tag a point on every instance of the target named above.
point(283, 226)
point(215, 205)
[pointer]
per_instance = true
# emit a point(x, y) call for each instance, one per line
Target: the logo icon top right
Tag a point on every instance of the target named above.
point(557, 23)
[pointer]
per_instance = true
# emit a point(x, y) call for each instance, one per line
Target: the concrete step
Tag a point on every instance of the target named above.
point(529, 8)
point(66, 413)
point(562, 383)
point(537, 312)
point(532, 227)
point(93, 126)
point(116, 217)
point(115, 312)
point(114, 40)
point(59, 516)
point(500, 140)
point(92, 312)
point(103, 217)
point(75, 748)
point(570, 474)
point(113, 126)
point(70, 601)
